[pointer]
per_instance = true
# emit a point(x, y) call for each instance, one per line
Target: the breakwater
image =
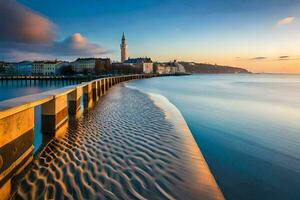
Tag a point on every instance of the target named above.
point(17, 121)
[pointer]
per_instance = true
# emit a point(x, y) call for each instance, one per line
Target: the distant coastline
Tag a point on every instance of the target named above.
point(203, 68)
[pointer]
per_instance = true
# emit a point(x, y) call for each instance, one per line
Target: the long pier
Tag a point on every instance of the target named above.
point(17, 121)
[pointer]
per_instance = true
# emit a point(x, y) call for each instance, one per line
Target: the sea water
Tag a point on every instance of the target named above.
point(247, 127)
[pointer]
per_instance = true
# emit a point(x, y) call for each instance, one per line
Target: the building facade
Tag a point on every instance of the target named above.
point(52, 68)
point(9, 68)
point(124, 49)
point(103, 66)
point(84, 65)
point(169, 68)
point(47, 68)
point(92, 65)
point(23, 68)
point(37, 68)
point(142, 65)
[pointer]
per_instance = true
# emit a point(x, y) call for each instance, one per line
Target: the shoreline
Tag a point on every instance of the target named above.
point(207, 183)
point(175, 117)
point(126, 147)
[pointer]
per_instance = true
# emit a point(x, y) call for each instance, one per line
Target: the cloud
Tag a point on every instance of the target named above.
point(20, 24)
point(259, 58)
point(25, 34)
point(284, 57)
point(77, 45)
point(74, 45)
point(285, 21)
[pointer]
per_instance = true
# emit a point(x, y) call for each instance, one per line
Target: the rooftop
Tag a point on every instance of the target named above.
point(138, 60)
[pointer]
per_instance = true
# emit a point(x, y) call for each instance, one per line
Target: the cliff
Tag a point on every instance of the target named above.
point(202, 68)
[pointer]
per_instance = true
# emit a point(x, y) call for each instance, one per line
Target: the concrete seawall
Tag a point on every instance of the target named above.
point(17, 121)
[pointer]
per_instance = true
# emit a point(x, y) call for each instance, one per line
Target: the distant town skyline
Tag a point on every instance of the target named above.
point(261, 36)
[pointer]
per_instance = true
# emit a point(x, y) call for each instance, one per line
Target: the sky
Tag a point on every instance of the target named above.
point(259, 35)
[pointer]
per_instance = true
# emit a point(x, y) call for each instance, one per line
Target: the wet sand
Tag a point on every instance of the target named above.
point(129, 146)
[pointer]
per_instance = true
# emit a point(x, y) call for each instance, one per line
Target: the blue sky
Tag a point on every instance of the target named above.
point(233, 32)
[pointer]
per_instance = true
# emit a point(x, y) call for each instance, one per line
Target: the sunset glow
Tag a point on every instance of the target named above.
point(261, 37)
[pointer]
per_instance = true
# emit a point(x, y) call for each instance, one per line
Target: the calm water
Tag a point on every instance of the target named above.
point(247, 127)
point(11, 89)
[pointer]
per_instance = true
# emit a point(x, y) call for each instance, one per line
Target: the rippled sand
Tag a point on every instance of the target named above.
point(126, 147)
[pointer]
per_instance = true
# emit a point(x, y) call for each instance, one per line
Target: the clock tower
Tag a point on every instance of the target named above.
point(124, 51)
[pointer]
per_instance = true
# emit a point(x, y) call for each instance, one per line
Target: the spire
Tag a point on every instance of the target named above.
point(124, 52)
point(123, 37)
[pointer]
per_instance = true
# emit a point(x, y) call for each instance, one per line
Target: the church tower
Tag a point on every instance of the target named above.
point(124, 52)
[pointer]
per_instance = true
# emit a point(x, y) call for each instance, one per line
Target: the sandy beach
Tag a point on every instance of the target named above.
point(129, 146)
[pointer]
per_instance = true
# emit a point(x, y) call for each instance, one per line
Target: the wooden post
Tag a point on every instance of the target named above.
point(110, 82)
point(16, 147)
point(74, 99)
point(54, 114)
point(95, 91)
point(99, 88)
point(103, 84)
point(88, 95)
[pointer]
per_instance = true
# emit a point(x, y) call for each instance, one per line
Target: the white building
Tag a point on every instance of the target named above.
point(47, 68)
point(169, 68)
point(37, 68)
point(162, 69)
point(143, 65)
point(84, 65)
point(51, 68)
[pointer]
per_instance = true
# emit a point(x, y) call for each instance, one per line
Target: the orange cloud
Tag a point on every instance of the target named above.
point(26, 33)
point(74, 45)
point(285, 21)
point(77, 45)
point(20, 24)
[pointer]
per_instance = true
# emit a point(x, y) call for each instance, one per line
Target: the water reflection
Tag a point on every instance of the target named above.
point(247, 127)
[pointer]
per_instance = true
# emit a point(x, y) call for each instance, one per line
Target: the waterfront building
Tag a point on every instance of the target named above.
point(84, 65)
point(9, 68)
point(91, 65)
point(2, 68)
point(47, 68)
point(51, 68)
point(103, 66)
point(124, 49)
point(142, 65)
point(23, 68)
point(124, 68)
point(37, 68)
point(169, 68)
point(161, 68)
